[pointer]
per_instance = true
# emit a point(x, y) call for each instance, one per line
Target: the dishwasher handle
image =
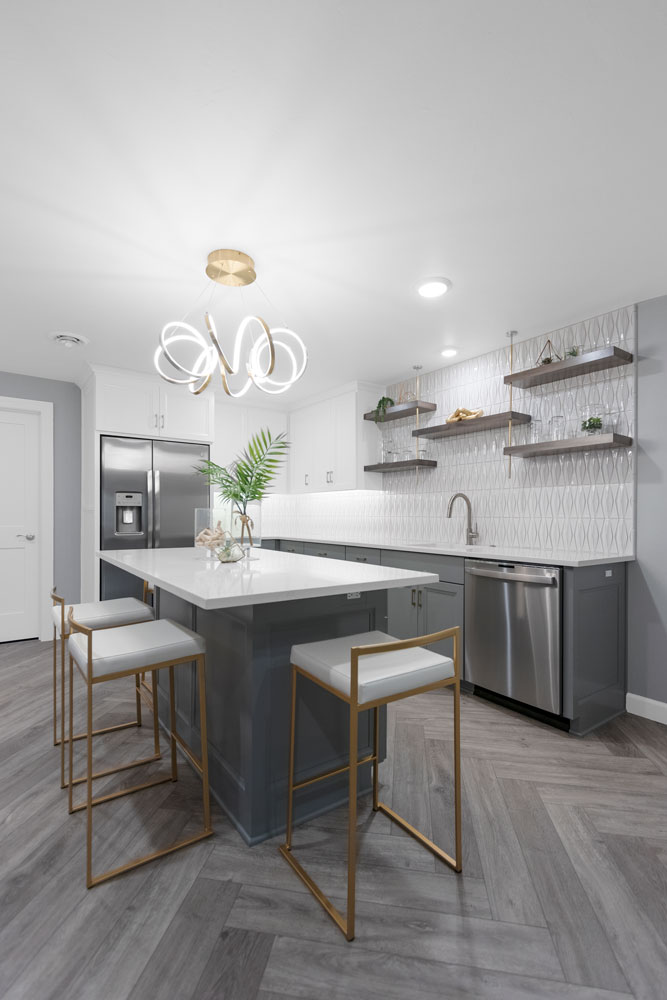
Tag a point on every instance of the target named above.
point(514, 577)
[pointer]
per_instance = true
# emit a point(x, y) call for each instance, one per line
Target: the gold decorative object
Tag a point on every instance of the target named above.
point(547, 354)
point(463, 413)
point(231, 267)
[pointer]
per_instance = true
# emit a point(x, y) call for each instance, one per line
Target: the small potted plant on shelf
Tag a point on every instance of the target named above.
point(592, 425)
point(381, 406)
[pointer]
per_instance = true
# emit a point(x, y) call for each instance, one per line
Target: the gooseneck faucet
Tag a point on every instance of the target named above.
point(470, 534)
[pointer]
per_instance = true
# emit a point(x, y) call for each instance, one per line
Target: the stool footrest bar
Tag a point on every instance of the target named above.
point(124, 791)
point(330, 774)
point(100, 732)
point(115, 770)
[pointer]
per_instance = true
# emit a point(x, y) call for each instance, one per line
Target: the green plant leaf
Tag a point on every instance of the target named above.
point(250, 475)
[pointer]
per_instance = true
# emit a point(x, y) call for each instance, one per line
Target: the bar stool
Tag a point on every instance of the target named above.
point(394, 669)
point(105, 655)
point(94, 615)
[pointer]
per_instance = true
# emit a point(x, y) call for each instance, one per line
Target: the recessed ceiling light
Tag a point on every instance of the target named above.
point(68, 340)
point(449, 352)
point(433, 288)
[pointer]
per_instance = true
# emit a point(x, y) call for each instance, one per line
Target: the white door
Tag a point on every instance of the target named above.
point(19, 525)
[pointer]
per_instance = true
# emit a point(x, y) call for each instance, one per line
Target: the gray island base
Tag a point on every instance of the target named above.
point(248, 697)
point(251, 613)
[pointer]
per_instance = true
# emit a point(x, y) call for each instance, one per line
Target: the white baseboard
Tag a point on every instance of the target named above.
point(648, 708)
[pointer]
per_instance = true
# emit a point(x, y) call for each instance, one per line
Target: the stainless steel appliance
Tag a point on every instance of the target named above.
point(149, 491)
point(513, 631)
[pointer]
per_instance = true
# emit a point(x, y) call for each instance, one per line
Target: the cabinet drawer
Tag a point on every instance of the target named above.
point(324, 551)
point(357, 553)
point(450, 569)
point(288, 546)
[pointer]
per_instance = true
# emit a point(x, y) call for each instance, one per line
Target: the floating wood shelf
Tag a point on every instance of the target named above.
point(401, 410)
point(592, 442)
point(494, 420)
point(592, 361)
point(414, 463)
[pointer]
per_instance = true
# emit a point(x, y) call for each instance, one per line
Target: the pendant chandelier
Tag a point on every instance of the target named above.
point(257, 349)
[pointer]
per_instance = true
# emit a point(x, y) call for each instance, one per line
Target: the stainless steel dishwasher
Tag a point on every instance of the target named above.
point(513, 631)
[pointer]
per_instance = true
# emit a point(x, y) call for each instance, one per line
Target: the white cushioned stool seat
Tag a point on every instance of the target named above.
point(135, 647)
point(381, 675)
point(105, 614)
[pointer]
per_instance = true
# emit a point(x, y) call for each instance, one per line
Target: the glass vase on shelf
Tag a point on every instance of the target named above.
point(592, 420)
point(210, 526)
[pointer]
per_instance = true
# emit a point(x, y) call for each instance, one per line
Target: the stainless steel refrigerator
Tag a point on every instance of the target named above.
point(149, 491)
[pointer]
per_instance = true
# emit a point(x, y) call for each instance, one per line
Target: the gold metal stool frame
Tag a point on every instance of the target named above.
point(60, 601)
point(201, 765)
point(347, 925)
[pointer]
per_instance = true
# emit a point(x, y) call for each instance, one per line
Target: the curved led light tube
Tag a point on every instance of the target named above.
point(198, 376)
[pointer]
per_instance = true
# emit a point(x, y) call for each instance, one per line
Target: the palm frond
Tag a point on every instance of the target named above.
point(250, 475)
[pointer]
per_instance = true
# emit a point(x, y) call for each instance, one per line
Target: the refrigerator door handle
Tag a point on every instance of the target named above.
point(156, 517)
point(149, 510)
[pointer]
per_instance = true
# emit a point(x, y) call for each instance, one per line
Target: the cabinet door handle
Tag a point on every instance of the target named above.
point(419, 598)
point(413, 598)
point(305, 479)
point(361, 559)
point(156, 419)
point(325, 555)
point(162, 422)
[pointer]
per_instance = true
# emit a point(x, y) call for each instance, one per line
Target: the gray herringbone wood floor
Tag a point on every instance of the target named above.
point(564, 891)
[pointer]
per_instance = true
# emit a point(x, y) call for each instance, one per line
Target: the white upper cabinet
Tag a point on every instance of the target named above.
point(184, 415)
point(140, 406)
point(127, 405)
point(331, 442)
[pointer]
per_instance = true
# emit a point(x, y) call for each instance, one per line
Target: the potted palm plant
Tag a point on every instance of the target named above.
point(245, 482)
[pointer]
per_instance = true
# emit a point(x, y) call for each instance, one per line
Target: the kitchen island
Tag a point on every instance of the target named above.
point(251, 613)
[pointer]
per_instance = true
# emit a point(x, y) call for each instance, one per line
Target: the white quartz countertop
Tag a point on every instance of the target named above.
point(546, 557)
point(264, 578)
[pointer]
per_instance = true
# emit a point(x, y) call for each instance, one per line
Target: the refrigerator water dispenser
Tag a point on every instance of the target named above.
point(128, 513)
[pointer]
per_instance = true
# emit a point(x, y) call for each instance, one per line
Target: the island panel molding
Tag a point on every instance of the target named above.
point(569, 502)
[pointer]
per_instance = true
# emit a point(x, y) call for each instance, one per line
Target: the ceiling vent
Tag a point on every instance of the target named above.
point(68, 339)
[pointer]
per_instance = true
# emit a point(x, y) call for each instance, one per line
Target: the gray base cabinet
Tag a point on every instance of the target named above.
point(248, 680)
point(413, 611)
point(594, 622)
point(594, 644)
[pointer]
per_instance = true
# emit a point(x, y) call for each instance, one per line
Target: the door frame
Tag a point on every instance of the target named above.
point(46, 503)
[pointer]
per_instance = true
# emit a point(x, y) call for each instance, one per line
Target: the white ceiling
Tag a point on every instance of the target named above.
point(519, 148)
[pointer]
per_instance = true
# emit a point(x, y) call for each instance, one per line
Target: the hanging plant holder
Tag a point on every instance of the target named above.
point(548, 354)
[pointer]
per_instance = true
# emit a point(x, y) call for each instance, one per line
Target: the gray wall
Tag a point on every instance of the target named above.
point(66, 399)
point(647, 577)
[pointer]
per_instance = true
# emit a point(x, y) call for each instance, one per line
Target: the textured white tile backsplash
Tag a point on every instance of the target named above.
point(583, 501)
